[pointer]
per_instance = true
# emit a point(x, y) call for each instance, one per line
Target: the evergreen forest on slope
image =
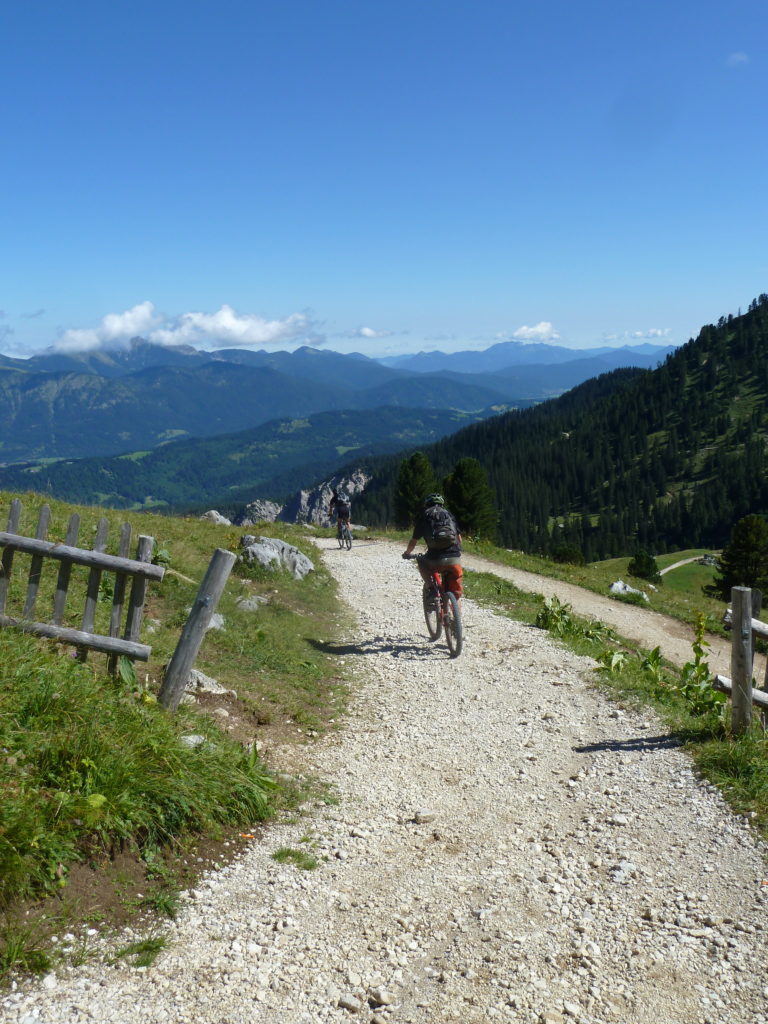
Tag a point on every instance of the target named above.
point(659, 459)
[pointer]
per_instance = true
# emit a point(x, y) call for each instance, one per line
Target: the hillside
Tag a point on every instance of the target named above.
point(665, 458)
point(105, 402)
point(268, 461)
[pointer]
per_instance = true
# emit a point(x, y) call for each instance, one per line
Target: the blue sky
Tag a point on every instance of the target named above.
point(378, 176)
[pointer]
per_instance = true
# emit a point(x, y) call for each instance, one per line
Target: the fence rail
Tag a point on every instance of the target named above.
point(138, 570)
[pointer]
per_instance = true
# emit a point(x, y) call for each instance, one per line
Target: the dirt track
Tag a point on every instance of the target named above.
point(645, 627)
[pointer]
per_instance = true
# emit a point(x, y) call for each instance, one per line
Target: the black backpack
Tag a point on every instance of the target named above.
point(441, 528)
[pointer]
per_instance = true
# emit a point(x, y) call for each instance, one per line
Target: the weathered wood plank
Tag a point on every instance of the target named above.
point(6, 564)
point(759, 627)
point(741, 660)
point(36, 566)
point(183, 659)
point(724, 685)
point(105, 644)
point(118, 598)
point(65, 571)
point(78, 556)
point(138, 590)
point(94, 579)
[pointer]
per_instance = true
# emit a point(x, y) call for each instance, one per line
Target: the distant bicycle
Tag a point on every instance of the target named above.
point(344, 536)
point(441, 611)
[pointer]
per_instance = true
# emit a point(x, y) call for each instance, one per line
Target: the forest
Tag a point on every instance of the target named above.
point(657, 459)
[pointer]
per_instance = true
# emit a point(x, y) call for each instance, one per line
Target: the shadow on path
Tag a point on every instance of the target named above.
point(642, 743)
point(406, 648)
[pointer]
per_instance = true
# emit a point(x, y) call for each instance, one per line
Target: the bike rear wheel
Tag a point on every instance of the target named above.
point(454, 630)
point(433, 613)
point(348, 537)
point(340, 538)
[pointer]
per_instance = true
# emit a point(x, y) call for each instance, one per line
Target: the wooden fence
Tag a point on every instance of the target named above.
point(744, 628)
point(138, 570)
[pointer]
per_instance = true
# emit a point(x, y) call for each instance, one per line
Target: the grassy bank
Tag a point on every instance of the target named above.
point(678, 595)
point(105, 807)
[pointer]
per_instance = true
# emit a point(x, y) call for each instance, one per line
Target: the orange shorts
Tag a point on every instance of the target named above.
point(451, 576)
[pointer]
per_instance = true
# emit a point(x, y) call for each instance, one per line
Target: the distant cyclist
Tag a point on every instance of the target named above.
point(438, 529)
point(340, 506)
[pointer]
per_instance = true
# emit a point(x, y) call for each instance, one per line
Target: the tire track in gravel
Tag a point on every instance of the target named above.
point(507, 846)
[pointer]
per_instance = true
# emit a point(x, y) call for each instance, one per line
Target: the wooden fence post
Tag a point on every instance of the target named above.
point(180, 665)
point(741, 659)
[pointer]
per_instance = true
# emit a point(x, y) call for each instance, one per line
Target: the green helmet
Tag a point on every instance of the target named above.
point(434, 499)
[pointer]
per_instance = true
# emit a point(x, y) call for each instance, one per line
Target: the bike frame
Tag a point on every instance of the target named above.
point(446, 622)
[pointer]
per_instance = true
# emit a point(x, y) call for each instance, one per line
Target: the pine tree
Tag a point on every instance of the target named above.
point(415, 480)
point(471, 500)
point(644, 566)
point(743, 562)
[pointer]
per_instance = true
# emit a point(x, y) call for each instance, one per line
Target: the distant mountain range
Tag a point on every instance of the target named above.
point(73, 405)
point(508, 354)
point(229, 470)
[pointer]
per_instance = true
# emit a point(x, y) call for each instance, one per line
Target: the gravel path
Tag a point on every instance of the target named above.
point(507, 846)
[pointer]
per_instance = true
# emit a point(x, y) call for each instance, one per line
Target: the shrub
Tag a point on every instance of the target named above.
point(644, 567)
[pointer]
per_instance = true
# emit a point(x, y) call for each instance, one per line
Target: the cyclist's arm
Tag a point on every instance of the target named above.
point(411, 545)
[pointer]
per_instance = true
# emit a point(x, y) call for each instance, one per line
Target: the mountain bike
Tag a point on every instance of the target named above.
point(344, 535)
point(441, 611)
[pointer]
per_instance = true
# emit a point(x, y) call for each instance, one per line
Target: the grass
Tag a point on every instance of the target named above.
point(302, 859)
point(89, 766)
point(682, 698)
point(92, 767)
point(143, 952)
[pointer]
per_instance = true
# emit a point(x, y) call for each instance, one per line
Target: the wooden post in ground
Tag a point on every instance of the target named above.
point(180, 665)
point(741, 659)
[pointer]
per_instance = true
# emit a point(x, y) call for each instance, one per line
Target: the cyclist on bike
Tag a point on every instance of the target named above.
point(439, 530)
point(340, 504)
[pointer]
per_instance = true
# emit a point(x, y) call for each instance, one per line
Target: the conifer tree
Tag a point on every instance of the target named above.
point(743, 562)
point(415, 480)
point(471, 500)
point(644, 566)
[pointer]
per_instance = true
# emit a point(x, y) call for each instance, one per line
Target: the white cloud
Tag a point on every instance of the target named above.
point(543, 331)
point(368, 332)
point(222, 329)
point(652, 333)
point(735, 60)
point(226, 328)
point(114, 331)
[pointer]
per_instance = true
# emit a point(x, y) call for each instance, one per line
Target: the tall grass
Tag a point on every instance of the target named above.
point(87, 764)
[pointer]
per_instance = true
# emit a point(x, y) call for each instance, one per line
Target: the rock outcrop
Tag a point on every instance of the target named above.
point(310, 506)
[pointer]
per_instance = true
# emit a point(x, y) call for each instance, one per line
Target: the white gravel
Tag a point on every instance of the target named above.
point(508, 846)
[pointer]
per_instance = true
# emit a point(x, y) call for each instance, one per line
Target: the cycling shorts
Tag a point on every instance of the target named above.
point(452, 575)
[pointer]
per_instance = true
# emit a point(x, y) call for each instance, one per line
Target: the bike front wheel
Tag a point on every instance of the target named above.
point(454, 630)
point(433, 614)
point(340, 539)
